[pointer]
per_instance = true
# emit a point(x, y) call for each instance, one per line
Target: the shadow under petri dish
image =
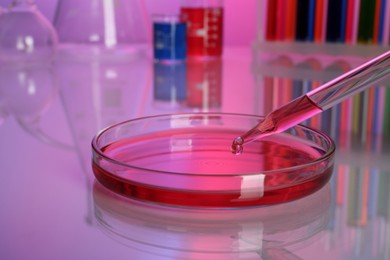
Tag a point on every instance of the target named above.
point(185, 160)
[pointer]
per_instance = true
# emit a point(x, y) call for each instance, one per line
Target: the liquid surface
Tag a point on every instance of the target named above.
point(196, 169)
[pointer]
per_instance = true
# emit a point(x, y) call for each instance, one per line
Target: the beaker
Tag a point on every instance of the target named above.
point(169, 38)
point(205, 27)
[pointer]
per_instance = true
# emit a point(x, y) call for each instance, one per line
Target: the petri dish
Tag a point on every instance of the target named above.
point(185, 160)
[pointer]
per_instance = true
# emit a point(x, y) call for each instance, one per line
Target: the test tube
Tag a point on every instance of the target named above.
point(205, 27)
point(169, 38)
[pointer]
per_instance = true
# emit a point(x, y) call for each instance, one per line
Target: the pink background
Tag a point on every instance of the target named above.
point(240, 16)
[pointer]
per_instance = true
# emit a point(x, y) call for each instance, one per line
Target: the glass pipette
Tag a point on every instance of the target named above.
point(318, 100)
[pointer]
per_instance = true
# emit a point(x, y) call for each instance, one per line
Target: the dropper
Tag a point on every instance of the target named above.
point(318, 100)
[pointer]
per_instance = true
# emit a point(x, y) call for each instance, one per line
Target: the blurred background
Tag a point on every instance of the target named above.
point(240, 16)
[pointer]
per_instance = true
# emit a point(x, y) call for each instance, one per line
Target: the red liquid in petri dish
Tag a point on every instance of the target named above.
point(195, 168)
point(204, 30)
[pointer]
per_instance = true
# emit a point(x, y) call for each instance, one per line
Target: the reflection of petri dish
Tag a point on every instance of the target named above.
point(185, 233)
point(185, 160)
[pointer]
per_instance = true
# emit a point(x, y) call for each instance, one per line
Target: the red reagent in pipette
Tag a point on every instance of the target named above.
point(317, 100)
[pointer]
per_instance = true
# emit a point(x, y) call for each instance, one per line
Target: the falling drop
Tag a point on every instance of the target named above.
point(237, 145)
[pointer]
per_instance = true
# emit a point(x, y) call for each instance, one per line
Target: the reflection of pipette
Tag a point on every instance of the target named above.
point(318, 100)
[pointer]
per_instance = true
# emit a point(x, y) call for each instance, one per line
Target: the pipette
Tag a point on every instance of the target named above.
point(318, 100)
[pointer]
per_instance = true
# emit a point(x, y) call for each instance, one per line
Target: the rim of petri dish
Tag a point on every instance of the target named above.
point(241, 188)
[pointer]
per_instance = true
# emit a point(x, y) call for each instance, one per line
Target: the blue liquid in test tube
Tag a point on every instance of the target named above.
point(169, 38)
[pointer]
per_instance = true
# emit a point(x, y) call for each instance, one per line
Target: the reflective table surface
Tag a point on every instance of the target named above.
point(52, 207)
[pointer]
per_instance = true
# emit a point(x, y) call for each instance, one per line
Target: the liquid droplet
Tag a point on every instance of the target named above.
point(237, 146)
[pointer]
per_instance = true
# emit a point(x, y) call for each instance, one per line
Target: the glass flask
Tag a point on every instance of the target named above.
point(100, 90)
point(25, 34)
point(27, 91)
point(102, 25)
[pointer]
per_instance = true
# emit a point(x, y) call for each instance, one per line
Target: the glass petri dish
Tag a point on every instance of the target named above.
point(185, 160)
